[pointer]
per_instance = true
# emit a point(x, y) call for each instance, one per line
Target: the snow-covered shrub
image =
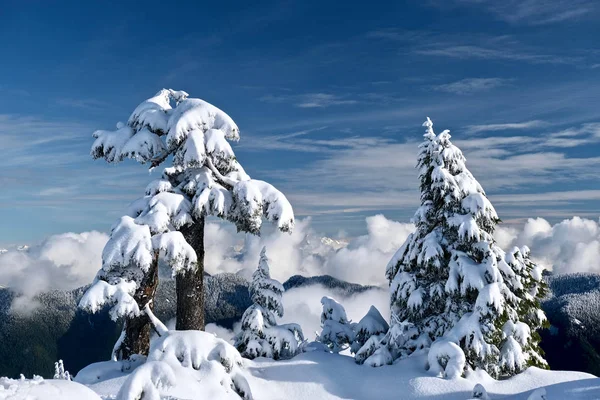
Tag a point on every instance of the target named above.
point(260, 336)
point(59, 371)
point(479, 392)
point(400, 341)
point(381, 356)
point(336, 331)
point(146, 381)
point(371, 325)
point(450, 278)
point(446, 358)
point(214, 359)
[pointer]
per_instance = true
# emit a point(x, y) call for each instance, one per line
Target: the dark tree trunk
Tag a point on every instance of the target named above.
point(137, 329)
point(190, 284)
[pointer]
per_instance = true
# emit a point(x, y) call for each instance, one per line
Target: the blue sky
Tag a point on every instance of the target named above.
point(329, 99)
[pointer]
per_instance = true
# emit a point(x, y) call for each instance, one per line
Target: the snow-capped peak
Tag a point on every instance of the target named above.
point(336, 244)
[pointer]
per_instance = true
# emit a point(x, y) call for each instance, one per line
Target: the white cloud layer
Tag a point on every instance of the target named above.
point(65, 261)
point(362, 261)
point(71, 260)
point(303, 306)
point(570, 246)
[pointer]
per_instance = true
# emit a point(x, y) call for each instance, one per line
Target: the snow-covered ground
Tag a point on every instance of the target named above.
point(317, 375)
point(324, 376)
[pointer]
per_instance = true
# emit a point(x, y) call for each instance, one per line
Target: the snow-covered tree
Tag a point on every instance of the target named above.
point(530, 288)
point(450, 278)
point(371, 325)
point(59, 371)
point(401, 339)
point(336, 329)
point(128, 279)
point(260, 336)
point(205, 176)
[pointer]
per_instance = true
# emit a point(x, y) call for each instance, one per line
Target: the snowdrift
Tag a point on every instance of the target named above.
point(309, 376)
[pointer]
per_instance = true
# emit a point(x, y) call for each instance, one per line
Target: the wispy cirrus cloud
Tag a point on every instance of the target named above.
point(470, 51)
point(476, 46)
point(310, 100)
point(505, 126)
point(576, 136)
point(320, 100)
point(535, 12)
point(376, 174)
point(21, 132)
point(87, 104)
point(325, 100)
point(471, 85)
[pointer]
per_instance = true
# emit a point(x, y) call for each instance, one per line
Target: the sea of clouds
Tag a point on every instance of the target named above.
point(71, 260)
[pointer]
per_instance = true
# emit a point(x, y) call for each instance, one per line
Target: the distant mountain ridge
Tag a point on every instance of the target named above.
point(31, 344)
point(57, 329)
point(573, 309)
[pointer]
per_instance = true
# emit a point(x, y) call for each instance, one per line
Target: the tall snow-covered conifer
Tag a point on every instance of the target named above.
point(260, 335)
point(204, 178)
point(450, 278)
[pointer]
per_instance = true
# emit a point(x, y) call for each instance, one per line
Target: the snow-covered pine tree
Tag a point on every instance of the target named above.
point(450, 278)
point(529, 286)
point(336, 330)
point(260, 336)
point(194, 135)
point(371, 325)
point(401, 339)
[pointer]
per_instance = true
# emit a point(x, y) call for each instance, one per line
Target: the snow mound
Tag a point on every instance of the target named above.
point(44, 389)
point(212, 361)
point(446, 358)
point(180, 365)
point(146, 381)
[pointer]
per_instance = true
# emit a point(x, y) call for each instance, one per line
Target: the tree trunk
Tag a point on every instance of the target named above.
point(135, 337)
point(190, 284)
